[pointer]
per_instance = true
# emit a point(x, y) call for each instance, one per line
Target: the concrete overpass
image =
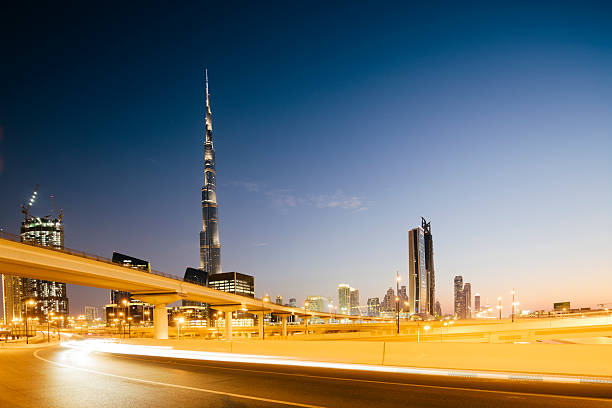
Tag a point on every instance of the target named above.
point(156, 288)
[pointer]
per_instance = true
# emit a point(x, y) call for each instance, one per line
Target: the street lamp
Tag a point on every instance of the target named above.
point(306, 303)
point(29, 302)
point(126, 304)
point(499, 306)
point(263, 314)
point(513, 305)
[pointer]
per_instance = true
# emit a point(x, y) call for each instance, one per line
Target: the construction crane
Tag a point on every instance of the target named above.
point(25, 208)
point(60, 212)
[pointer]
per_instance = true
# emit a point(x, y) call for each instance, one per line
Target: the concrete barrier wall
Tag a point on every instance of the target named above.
point(594, 360)
point(531, 358)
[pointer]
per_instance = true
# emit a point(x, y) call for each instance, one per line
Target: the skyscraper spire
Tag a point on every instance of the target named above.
point(210, 245)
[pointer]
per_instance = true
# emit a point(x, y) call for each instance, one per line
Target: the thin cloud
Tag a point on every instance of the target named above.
point(286, 199)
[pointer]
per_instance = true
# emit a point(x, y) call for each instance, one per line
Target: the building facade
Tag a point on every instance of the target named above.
point(467, 299)
point(417, 274)
point(477, 303)
point(354, 301)
point(118, 296)
point(210, 245)
point(389, 304)
point(317, 304)
point(373, 307)
point(429, 266)
point(233, 282)
point(50, 297)
point(344, 291)
point(459, 303)
point(198, 277)
point(92, 313)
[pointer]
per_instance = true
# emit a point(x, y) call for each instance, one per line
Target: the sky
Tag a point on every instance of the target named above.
point(337, 125)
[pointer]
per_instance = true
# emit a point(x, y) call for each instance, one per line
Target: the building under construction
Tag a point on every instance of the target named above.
point(50, 297)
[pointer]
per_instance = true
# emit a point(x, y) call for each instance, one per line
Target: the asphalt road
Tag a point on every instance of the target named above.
point(60, 377)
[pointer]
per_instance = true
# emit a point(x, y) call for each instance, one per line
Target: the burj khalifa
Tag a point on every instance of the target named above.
point(210, 246)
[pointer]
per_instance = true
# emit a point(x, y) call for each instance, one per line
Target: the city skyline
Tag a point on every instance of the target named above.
point(508, 131)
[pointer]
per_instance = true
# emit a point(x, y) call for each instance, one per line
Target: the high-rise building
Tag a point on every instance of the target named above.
point(467, 299)
point(91, 313)
point(417, 275)
point(344, 298)
point(477, 303)
point(354, 301)
point(373, 307)
point(233, 282)
point(210, 245)
point(317, 304)
point(421, 275)
point(459, 303)
point(293, 302)
point(429, 266)
point(118, 296)
point(278, 300)
point(389, 303)
point(49, 296)
point(403, 299)
point(199, 277)
point(438, 308)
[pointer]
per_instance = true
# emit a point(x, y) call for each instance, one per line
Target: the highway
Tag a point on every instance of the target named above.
point(62, 377)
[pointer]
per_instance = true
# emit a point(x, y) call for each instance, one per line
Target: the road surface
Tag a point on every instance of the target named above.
point(61, 377)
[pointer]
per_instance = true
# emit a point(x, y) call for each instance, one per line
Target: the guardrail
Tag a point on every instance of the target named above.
point(82, 254)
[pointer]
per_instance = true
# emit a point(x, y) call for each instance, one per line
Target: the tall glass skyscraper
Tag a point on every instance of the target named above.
point(429, 266)
point(344, 298)
point(417, 274)
point(422, 278)
point(210, 246)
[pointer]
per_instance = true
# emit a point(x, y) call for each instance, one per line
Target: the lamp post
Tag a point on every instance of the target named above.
point(263, 313)
point(499, 306)
point(306, 317)
point(126, 304)
point(513, 305)
point(398, 278)
point(30, 302)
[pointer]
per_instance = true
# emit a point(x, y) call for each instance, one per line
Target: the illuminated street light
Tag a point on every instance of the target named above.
point(29, 302)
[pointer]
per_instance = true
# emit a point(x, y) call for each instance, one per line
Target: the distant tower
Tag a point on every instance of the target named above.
point(373, 307)
point(210, 246)
point(354, 301)
point(459, 302)
point(467, 299)
point(344, 298)
point(429, 267)
point(417, 273)
point(477, 302)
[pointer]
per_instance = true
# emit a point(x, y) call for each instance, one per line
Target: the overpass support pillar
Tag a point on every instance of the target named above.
point(284, 320)
point(228, 325)
point(160, 322)
point(260, 325)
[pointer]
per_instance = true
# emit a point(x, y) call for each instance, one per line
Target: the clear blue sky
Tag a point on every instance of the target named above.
point(337, 126)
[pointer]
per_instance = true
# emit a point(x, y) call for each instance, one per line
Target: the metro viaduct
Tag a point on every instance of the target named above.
point(78, 268)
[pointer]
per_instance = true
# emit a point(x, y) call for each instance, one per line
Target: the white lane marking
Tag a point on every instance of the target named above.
point(529, 394)
point(184, 387)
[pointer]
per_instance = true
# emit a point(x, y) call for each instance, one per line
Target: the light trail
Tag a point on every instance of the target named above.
point(109, 346)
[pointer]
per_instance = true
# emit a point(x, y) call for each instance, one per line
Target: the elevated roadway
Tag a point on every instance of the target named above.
point(159, 289)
